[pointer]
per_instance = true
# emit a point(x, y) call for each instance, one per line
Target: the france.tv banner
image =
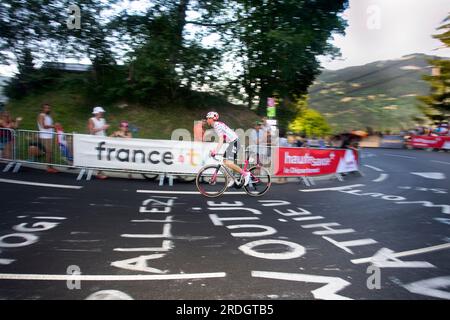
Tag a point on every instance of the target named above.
point(141, 154)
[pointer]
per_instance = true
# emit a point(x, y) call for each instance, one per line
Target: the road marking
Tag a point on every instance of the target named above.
point(6, 261)
point(430, 175)
point(326, 292)
point(177, 276)
point(440, 162)
point(109, 295)
point(374, 168)
point(333, 189)
point(182, 192)
point(408, 253)
point(381, 178)
point(49, 185)
point(395, 155)
point(430, 287)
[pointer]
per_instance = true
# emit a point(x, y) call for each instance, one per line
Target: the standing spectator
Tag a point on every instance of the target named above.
point(6, 136)
point(46, 135)
point(199, 130)
point(97, 126)
point(322, 143)
point(258, 143)
point(123, 131)
point(283, 141)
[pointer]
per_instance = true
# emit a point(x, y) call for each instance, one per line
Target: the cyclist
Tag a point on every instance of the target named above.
point(229, 136)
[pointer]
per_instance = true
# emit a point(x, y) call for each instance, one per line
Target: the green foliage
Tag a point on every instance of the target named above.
point(308, 121)
point(161, 61)
point(436, 105)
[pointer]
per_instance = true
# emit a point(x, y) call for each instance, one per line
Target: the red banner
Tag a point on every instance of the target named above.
point(309, 162)
point(435, 142)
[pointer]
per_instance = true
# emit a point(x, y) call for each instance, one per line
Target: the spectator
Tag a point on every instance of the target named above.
point(300, 141)
point(346, 141)
point(322, 143)
point(97, 126)
point(6, 136)
point(123, 131)
point(258, 143)
point(199, 130)
point(46, 135)
point(283, 141)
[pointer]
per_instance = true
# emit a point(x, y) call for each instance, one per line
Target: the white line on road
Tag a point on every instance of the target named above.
point(395, 155)
point(381, 178)
point(430, 175)
point(440, 162)
point(177, 276)
point(373, 168)
point(408, 253)
point(181, 192)
point(333, 189)
point(29, 183)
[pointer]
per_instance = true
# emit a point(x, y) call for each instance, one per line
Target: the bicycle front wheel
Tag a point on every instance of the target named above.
point(212, 181)
point(259, 181)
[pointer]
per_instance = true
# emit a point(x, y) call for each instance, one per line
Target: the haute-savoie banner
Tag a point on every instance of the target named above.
point(309, 162)
point(141, 154)
point(436, 142)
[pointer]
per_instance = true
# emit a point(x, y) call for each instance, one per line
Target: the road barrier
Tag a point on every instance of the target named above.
point(429, 142)
point(7, 144)
point(162, 158)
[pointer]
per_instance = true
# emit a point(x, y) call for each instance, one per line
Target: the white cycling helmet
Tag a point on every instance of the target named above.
point(212, 115)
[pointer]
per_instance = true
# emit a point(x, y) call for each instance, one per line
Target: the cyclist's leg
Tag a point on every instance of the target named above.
point(231, 157)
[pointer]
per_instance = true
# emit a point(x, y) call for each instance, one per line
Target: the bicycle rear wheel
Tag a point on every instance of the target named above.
point(259, 181)
point(212, 181)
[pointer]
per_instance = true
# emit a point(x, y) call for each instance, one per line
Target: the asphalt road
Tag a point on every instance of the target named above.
point(382, 235)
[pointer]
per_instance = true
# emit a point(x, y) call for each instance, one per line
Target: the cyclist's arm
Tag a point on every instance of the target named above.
point(219, 146)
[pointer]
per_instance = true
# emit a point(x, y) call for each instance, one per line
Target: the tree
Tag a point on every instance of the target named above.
point(308, 121)
point(279, 42)
point(437, 104)
point(163, 60)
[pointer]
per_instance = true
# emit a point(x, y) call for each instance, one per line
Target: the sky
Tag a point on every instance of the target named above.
point(377, 30)
point(389, 29)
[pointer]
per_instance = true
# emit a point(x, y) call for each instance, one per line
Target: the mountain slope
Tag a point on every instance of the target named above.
point(381, 95)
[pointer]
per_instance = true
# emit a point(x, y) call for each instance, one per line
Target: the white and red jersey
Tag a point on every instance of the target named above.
point(223, 130)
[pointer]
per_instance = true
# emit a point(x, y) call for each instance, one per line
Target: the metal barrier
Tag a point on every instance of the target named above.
point(51, 149)
point(7, 145)
point(56, 149)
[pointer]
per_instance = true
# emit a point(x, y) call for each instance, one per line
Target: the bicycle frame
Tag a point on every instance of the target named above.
point(230, 173)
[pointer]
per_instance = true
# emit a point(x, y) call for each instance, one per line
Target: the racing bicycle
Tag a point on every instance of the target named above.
point(212, 180)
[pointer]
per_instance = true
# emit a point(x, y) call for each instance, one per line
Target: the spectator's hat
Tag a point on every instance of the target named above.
point(259, 123)
point(98, 110)
point(124, 124)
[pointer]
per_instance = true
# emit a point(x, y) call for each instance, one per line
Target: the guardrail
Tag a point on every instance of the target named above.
point(7, 144)
point(162, 158)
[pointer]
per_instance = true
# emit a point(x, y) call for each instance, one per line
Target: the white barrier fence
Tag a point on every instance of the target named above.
point(158, 157)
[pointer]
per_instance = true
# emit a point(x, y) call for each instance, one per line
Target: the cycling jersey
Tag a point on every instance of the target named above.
point(223, 130)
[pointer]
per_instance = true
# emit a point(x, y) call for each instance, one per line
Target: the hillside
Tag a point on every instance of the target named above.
point(381, 95)
point(72, 111)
